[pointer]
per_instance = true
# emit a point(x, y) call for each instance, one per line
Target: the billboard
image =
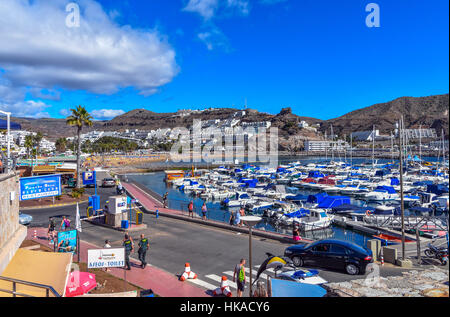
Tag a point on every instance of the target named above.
point(67, 241)
point(89, 178)
point(40, 186)
point(100, 258)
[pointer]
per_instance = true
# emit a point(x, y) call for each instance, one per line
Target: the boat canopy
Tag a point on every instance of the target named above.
point(315, 174)
point(333, 201)
point(437, 189)
point(317, 198)
point(389, 189)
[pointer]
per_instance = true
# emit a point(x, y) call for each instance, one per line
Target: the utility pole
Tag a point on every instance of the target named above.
point(402, 206)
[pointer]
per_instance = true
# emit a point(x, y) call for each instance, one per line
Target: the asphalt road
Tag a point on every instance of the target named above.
point(174, 242)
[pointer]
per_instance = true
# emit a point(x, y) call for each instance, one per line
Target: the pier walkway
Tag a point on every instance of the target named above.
point(151, 205)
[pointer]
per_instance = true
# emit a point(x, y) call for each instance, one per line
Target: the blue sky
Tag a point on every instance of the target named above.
point(317, 57)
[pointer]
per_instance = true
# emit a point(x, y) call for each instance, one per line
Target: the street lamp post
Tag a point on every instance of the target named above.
point(250, 221)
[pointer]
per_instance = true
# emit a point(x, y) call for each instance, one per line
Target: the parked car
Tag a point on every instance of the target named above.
point(333, 254)
point(25, 219)
point(108, 182)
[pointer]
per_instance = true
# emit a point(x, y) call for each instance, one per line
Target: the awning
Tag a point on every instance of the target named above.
point(282, 288)
point(44, 169)
point(47, 268)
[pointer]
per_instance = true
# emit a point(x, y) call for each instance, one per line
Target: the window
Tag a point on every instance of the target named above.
point(321, 248)
point(338, 249)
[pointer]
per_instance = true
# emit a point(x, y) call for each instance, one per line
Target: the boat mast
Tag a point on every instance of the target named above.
point(326, 146)
point(373, 147)
point(420, 148)
point(332, 144)
point(402, 206)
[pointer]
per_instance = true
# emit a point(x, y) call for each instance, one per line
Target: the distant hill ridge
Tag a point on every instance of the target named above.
point(431, 111)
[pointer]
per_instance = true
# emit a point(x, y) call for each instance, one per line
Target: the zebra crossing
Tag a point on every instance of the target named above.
point(212, 281)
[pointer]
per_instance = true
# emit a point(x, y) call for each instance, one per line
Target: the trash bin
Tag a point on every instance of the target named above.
point(147, 293)
point(125, 224)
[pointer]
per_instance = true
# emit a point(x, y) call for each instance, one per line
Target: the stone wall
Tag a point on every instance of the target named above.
point(11, 232)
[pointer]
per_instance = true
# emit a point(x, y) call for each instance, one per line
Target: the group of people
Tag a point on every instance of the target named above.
point(64, 225)
point(235, 217)
point(143, 245)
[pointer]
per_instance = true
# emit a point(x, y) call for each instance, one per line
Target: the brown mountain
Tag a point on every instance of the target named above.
point(429, 111)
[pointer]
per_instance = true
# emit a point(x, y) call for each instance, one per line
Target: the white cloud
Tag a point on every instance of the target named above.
point(65, 112)
point(214, 39)
point(29, 109)
point(209, 8)
point(106, 114)
point(38, 50)
point(205, 8)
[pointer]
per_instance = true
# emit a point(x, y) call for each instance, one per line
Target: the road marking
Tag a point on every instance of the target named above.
point(203, 284)
point(219, 280)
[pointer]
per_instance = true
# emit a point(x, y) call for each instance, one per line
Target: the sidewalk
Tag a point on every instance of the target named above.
point(151, 205)
point(162, 283)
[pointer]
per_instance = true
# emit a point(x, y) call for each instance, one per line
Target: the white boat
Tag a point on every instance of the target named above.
point(382, 193)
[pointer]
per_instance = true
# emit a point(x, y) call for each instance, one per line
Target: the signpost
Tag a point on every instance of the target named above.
point(106, 258)
point(40, 187)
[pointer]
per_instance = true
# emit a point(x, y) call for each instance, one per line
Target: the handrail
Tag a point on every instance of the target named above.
point(16, 281)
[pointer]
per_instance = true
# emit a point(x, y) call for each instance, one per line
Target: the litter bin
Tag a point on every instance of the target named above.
point(147, 293)
point(125, 224)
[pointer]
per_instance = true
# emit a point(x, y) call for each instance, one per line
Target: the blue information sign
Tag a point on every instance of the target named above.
point(40, 187)
point(89, 178)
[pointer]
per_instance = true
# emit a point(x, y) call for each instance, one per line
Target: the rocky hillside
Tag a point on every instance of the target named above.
point(429, 111)
point(426, 111)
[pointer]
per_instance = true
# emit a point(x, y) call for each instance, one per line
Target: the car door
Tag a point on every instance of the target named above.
point(319, 254)
point(337, 257)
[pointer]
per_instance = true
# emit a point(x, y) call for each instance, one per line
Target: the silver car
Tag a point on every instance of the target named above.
point(25, 219)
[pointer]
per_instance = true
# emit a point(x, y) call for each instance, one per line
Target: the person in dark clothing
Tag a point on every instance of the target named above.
point(165, 199)
point(143, 247)
point(128, 244)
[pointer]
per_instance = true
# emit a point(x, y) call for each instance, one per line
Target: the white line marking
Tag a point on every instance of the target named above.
point(204, 284)
point(218, 279)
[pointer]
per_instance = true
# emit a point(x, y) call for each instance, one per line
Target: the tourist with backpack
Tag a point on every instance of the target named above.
point(239, 272)
point(65, 224)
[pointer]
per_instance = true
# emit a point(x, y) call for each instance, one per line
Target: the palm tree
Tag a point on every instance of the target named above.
point(37, 142)
point(29, 145)
point(79, 118)
point(61, 145)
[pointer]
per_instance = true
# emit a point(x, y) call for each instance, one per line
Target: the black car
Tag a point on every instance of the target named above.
point(333, 254)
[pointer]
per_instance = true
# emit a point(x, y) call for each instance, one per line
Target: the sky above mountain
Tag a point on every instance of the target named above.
point(318, 57)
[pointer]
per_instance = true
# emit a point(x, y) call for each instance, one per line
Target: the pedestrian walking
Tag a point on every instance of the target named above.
point(51, 229)
point(232, 217)
point(129, 247)
point(237, 221)
point(65, 223)
point(191, 209)
point(165, 199)
point(143, 247)
point(296, 232)
point(204, 210)
point(239, 272)
point(241, 214)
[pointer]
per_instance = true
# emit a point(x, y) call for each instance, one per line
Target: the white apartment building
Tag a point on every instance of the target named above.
point(319, 146)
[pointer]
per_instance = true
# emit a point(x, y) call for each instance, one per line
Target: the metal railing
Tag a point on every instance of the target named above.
point(14, 292)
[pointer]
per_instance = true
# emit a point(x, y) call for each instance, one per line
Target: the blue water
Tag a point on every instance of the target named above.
point(179, 200)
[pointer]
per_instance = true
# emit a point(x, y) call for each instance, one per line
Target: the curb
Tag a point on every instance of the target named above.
point(53, 206)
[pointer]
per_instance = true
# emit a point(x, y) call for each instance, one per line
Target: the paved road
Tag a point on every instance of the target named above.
point(40, 216)
point(211, 252)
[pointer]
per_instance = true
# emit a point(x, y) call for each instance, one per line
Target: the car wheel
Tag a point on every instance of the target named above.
point(298, 261)
point(351, 269)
